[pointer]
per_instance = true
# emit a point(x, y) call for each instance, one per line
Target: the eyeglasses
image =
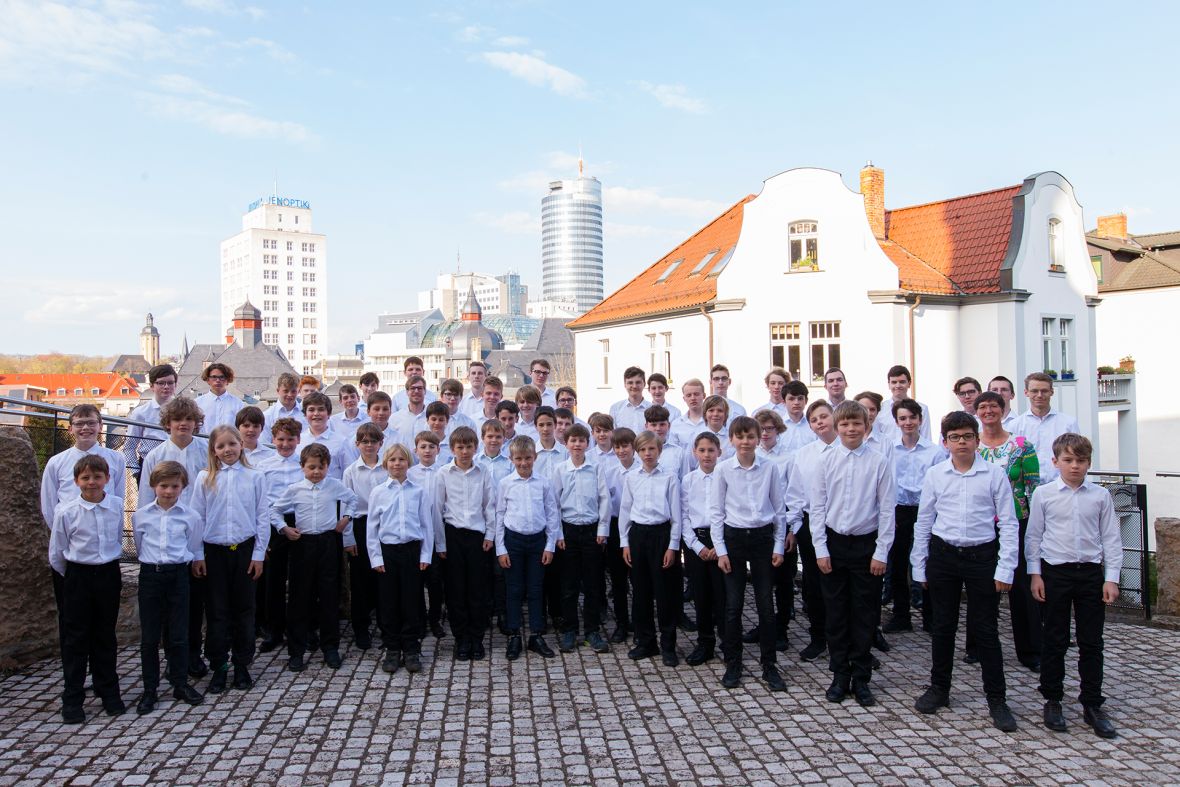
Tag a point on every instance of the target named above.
point(960, 437)
point(165, 383)
point(720, 379)
point(968, 392)
point(215, 377)
point(541, 372)
point(86, 423)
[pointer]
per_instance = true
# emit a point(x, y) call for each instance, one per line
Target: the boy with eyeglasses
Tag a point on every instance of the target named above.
point(540, 370)
point(218, 404)
point(719, 379)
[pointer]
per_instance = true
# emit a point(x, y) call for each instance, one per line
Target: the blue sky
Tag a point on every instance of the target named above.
point(133, 135)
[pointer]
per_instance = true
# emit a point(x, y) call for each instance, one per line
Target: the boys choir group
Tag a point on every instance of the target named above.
point(488, 502)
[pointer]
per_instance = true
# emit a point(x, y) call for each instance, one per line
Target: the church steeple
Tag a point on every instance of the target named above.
point(471, 309)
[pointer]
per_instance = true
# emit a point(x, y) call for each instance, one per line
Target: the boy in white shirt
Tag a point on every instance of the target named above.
point(369, 383)
point(688, 426)
point(899, 381)
point(362, 477)
point(351, 415)
point(492, 455)
point(602, 428)
point(1075, 556)
point(218, 404)
point(657, 386)
point(580, 488)
point(164, 531)
point(628, 413)
point(550, 452)
point(955, 546)
point(717, 417)
point(162, 380)
point(427, 451)
point(674, 458)
point(799, 432)
point(1041, 424)
point(720, 381)
point(287, 405)
point(402, 522)
point(852, 506)
point(250, 422)
point(749, 526)
point(776, 381)
point(465, 497)
point(281, 469)
point(528, 399)
point(698, 497)
point(413, 367)
point(472, 404)
point(623, 442)
point(317, 408)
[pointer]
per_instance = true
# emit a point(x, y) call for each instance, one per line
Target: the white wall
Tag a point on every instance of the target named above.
point(1138, 324)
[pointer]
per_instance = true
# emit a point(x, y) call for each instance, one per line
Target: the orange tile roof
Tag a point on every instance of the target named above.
point(965, 239)
point(950, 247)
point(108, 384)
point(682, 289)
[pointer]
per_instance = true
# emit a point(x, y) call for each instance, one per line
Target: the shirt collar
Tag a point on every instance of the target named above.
point(859, 450)
point(978, 466)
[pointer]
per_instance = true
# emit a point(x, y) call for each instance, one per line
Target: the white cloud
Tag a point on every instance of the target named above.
point(510, 41)
point(178, 83)
point(627, 199)
point(537, 71)
point(472, 33)
point(231, 121)
point(674, 97)
point(275, 51)
point(70, 302)
point(614, 229)
point(517, 222)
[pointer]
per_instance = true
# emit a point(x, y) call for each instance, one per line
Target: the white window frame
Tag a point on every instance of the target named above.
point(785, 336)
point(604, 348)
point(823, 335)
point(1054, 238)
point(805, 232)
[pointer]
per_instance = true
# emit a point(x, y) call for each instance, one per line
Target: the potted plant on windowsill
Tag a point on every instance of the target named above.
point(1103, 371)
point(1126, 365)
point(1052, 373)
point(1067, 374)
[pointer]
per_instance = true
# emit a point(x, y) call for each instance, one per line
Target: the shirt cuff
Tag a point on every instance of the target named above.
point(881, 557)
point(780, 548)
point(1004, 576)
point(821, 551)
point(1034, 566)
point(918, 574)
point(1112, 575)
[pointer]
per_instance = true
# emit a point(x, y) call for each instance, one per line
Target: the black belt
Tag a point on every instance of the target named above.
point(702, 531)
point(162, 567)
point(579, 524)
point(986, 549)
point(653, 524)
point(231, 547)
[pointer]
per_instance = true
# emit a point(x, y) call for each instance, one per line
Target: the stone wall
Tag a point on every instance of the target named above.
point(1167, 565)
point(28, 614)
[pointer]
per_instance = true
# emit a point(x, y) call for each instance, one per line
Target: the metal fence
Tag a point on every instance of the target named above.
point(1130, 510)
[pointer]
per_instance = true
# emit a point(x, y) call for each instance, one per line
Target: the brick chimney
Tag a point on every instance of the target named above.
point(872, 186)
point(1113, 226)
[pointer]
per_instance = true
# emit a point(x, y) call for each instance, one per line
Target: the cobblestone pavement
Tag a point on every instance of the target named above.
point(583, 718)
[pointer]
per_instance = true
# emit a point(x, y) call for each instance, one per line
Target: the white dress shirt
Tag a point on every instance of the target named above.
point(1067, 525)
point(780, 408)
point(362, 480)
point(630, 416)
point(698, 502)
point(800, 471)
point(650, 498)
point(235, 509)
point(749, 497)
point(57, 482)
point(1042, 431)
point(526, 429)
point(965, 509)
point(466, 499)
point(280, 472)
point(319, 507)
point(799, 433)
point(351, 452)
point(82, 532)
point(141, 440)
point(218, 410)
point(500, 466)
point(258, 454)
point(910, 466)
point(527, 506)
point(677, 460)
point(549, 458)
point(400, 513)
point(337, 446)
point(472, 407)
point(277, 411)
point(165, 535)
point(735, 410)
point(347, 426)
point(194, 457)
point(582, 495)
point(684, 431)
point(853, 493)
point(402, 422)
point(616, 476)
point(548, 398)
point(673, 411)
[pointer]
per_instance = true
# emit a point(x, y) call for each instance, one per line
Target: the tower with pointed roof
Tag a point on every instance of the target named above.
point(149, 341)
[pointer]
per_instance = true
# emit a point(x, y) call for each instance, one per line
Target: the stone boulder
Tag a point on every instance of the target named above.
point(27, 608)
point(1167, 564)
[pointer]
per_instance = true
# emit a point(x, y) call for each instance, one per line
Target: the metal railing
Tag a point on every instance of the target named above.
point(1130, 511)
point(1114, 389)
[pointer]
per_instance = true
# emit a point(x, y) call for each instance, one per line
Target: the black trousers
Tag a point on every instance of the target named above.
point(362, 580)
point(582, 572)
point(163, 605)
point(314, 599)
point(525, 578)
point(949, 570)
point(813, 595)
point(708, 592)
point(1075, 587)
point(275, 577)
point(852, 599)
point(899, 559)
point(90, 595)
point(198, 592)
point(59, 590)
point(400, 591)
point(553, 586)
point(754, 546)
point(431, 597)
point(654, 586)
point(1026, 612)
point(230, 604)
point(469, 583)
point(783, 580)
point(619, 574)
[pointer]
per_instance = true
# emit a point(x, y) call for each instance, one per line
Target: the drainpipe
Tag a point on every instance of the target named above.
point(708, 317)
point(913, 352)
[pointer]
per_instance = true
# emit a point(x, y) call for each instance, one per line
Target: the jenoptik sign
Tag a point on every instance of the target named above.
point(282, 202)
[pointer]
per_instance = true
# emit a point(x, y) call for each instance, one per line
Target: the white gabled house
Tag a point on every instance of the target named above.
point(810, 274)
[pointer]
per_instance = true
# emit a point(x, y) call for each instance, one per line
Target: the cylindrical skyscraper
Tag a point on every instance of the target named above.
point(571, 241)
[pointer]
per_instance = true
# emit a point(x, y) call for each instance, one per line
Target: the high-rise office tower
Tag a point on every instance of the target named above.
point(571, 241)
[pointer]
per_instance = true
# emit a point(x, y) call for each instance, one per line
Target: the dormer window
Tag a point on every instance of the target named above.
point(669, 270)
point(803, 239)
point(700, 266)
point(1056, 258)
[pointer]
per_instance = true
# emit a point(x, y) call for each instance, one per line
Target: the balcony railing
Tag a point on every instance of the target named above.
point(1115, 389)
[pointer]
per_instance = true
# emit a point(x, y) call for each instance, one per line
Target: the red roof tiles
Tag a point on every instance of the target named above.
point(109, 384)
point(965, 239)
